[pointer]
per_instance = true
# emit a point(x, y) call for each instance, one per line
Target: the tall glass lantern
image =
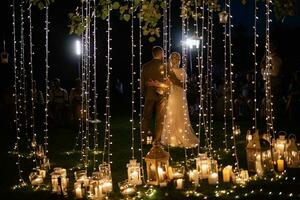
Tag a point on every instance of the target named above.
point(203, 165)
point(105, 178)
point(213, 177)
point(292, 158)
point(59, 181)
point(157, 162)
point(280, 145)
point(259, 157)
point(134, 172)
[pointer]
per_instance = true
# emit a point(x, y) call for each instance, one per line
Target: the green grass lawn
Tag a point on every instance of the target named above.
point(62, 140)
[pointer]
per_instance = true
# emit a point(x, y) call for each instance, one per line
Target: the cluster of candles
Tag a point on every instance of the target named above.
point(59, 181)
point(207, 168)
point(160, 173)
point(96, 187)
point(282, 152)
point(37, 177)
point(285, 150)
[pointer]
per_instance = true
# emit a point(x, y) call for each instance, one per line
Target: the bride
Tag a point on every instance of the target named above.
point(177, 130)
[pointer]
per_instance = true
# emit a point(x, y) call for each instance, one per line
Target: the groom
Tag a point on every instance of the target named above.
point(155, 97)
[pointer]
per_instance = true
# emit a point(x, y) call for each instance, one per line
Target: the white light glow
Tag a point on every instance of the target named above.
point(192, 42)
point(78, 47)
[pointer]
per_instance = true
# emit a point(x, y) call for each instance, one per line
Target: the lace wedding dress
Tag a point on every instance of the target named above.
point(177, 130)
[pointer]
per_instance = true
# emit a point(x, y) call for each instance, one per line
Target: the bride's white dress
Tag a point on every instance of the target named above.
point(177, 130)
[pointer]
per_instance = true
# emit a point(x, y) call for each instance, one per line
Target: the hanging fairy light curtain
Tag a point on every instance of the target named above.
point(39, 156)
point(199, 71)
point(149, 138)
point(23, 81)
point(224, 19)
point(165, 32)
point(202, 117)
point(32, 97)
point(235, 129)
point(94, 89)
point(46, 77)
point(106, 156)
point(255, 108)
point(267, 72)
point(17, 100)
point(184, 27)
point(134, 170)
point(86, 85)
point(169, 27)
point(210, 74)
point(207, 79)
point(89, 114)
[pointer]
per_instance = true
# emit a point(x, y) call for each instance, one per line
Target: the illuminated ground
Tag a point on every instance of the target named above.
point(62, 140)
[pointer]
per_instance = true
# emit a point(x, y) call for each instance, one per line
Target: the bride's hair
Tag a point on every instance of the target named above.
point(175, 54)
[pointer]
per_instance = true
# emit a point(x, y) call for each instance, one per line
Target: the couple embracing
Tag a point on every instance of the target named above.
point(163, 87)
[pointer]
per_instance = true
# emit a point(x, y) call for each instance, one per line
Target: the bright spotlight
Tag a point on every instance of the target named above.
point(78, 47)
point(192, 42)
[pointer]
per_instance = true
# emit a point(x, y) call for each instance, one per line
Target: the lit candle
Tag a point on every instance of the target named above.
point(177, 175)
point(54, 184)
point(280, 147)
point(194, 177)
point(170, 172)
point(160, 174)
point(128, 191)
point(64, 183)
point(98, 191)
point(163, 184)
point(258, 166)
point(227, 173)
point(37, 181)
point(213, 178)
point(244, 175)
point(78, 193)
point(134, 175)
point(280, 165)
point(106, 187)
point(42, 172)
point(179, 184)
point(86, 182)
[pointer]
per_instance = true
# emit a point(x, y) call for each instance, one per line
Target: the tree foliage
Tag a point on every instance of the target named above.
point(150, 12)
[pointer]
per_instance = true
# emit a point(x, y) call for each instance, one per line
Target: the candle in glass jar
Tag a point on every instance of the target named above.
point(160, 174)
point(227, 173)
point(170, 172)
point(194, 177)
point(54, 182)
point(37, 181)
point(107, 187)
point(98, 191)
point(280, 165)
point(213, 178)
point(179, 184)
point(134, 175)
point(128, 191)
point(204, 168)
point(78, 193)
point(280, 148)
point(42, 172)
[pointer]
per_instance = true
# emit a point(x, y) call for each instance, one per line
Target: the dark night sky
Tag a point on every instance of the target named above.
point(63, 62)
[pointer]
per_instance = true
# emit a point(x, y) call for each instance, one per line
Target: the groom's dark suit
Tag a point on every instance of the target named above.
point(155, 98)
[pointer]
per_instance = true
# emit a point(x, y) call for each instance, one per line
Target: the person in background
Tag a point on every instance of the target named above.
point(59, 101)
point(75, 101)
